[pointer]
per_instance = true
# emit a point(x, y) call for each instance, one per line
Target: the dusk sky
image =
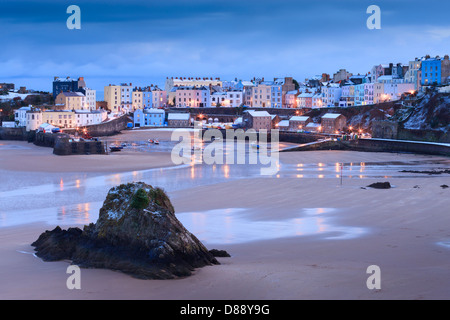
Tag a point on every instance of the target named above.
point(143, 42)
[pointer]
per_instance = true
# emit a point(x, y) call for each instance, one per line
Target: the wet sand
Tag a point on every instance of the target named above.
point(405, 234)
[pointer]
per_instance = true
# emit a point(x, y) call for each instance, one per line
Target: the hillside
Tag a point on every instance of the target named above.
point(428, 112)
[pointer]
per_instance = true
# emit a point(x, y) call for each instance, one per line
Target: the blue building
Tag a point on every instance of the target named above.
point(276, 95)
point(149, 118)
point(431, 71)
point(67, 85)
point(147, 99)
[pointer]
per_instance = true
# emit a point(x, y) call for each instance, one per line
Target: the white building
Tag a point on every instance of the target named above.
point(232, 98)
point(90, 99)
point(331, 95)
point(21, 116)
point(86, 117)
point(28, 117)
point(126, 97)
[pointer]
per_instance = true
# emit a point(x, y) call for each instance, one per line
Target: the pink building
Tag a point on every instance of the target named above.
point(305, 100)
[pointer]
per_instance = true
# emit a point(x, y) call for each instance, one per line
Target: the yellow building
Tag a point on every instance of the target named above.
point(112, 97)
point(59, 118)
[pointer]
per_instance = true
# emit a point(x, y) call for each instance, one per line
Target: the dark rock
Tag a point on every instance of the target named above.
point(380, 185)
point(444, 186)
point(137, 233)
point(219, 253)
point(430, 172)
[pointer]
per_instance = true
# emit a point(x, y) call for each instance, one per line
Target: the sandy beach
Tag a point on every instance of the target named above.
point(299, 234)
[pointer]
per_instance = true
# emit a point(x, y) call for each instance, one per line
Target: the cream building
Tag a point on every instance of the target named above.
point(71, 101)
point(137, 100)
point(261, 96)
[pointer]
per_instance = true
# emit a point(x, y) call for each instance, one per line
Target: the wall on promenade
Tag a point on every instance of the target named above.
point(399, 146)
point(106, 128)
point(424, 135)
point(13, 134)
point(376, 145)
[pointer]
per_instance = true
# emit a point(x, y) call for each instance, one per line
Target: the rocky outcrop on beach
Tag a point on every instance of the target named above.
point(137, 233)
point(380, 185)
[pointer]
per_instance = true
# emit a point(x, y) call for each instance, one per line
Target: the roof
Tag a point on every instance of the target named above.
point(72, 94)
point(299, 118)
point(283, 123)
point(312, 125)
point(179, 116)
point(331, 115)
point(153, 110)
point(258, 113)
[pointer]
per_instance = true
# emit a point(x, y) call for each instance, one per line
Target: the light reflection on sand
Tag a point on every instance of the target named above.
point(233, 225)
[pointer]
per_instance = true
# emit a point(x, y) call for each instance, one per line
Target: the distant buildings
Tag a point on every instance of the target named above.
point(7, 86)
point(382, 83)
point(341, 75)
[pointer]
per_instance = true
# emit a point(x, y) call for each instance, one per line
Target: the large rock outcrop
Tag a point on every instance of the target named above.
point(137, 233)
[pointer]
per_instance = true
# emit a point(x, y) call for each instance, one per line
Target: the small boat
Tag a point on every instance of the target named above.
point(150, 141)
point(115, 148)
point(156, 142)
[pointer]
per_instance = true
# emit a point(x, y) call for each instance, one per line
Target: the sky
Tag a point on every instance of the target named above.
point(143, 42)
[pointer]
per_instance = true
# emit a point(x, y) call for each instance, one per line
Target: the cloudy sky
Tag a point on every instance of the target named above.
point(144, 42)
